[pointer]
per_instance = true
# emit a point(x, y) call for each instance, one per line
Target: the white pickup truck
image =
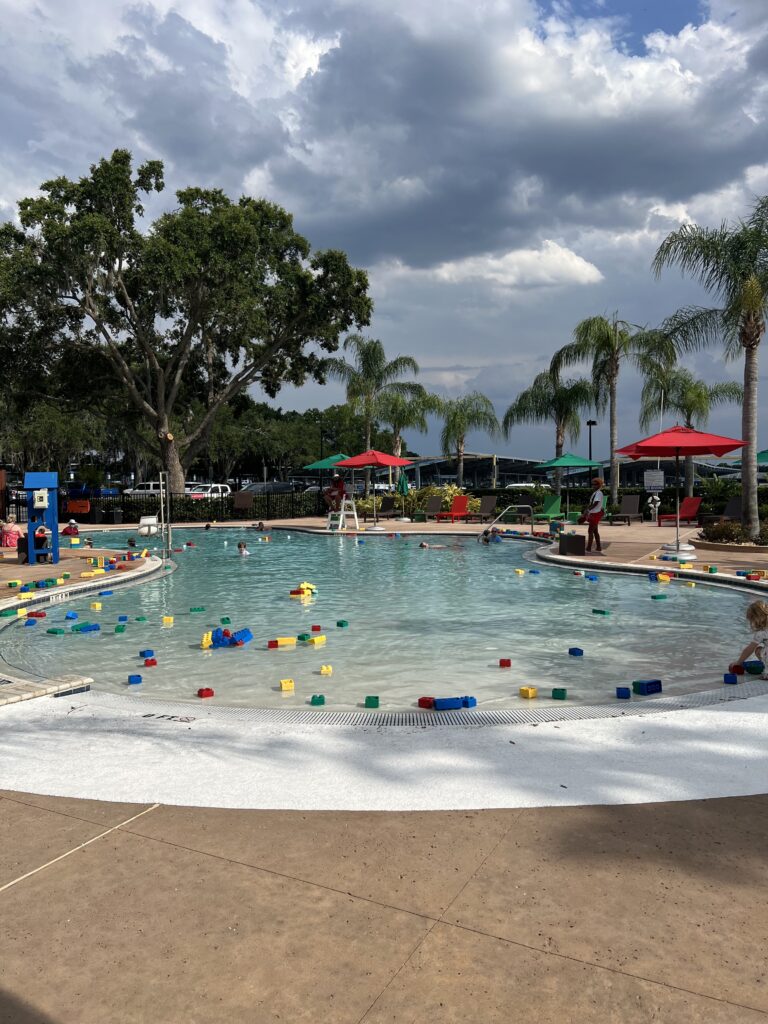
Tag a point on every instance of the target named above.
point(200, 491)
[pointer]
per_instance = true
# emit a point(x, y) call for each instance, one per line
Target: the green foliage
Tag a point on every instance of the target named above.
point(733, 533)
point(215, 297)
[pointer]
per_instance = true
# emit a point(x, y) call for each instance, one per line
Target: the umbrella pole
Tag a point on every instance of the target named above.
point(677, 500)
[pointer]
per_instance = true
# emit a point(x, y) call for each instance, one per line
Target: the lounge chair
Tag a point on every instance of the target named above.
point(550, 511)
point(629, 509)
point(458, 509)
point(689, 512)
point(385, 510)
point(433, 506)
point(730, 514)
point(487, 509)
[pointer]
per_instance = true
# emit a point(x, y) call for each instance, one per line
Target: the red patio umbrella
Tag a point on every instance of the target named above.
point(373, 460)
point(679, 441)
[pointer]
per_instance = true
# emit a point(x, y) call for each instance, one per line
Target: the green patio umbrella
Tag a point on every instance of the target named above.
point(327, 463)
point(567, 461)
point(402, 488)
point(761, 457)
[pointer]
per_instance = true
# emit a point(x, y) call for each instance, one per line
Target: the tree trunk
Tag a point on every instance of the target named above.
point(614, 441)
point(749, 514)
point(460, 462)
point(397, 443)
point(368, 430)
point(689, 476)
point(171, 459)
point(559, 445)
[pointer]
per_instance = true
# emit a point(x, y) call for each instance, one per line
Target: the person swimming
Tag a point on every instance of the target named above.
point(242, 550)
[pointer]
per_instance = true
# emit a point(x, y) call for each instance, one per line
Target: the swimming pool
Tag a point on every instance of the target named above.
point(421, 622)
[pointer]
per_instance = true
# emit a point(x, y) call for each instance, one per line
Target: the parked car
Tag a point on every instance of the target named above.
point(200, 491)
point(145, 489)
point(78, 491)
point(268, 487)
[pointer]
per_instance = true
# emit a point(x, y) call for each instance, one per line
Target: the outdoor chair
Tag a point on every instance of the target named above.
point(458, 510)
point(730, 514)
point(550, 511)
point(487, 509)
point(689, 512)
point(431, 508)
point(385, 510)
point(629, 509)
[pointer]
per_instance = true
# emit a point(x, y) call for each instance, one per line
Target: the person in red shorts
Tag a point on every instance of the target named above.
point(594, 514)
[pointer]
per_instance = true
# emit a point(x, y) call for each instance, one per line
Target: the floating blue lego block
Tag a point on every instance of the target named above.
point(31, 622)
point(242, 636)
point(90, 627)
point(645, 687)
point(360, 541)
point(106, 593)
point(469, 702)
point(147, 653)
point(623, 693)
point(576, 652)
point(122, 618)
point(591, 577)
point(448, 703)
point(653, 577)
point(730, 678)
point(742, 572)
point(71, 615)
point(134, 680)
point(535, 572)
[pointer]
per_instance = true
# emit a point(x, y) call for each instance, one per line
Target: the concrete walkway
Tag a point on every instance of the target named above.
point(131, 914)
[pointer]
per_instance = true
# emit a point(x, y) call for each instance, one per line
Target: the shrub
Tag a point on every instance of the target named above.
point(732, 533)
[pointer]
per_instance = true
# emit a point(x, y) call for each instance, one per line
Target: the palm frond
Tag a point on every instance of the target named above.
point(695, 327)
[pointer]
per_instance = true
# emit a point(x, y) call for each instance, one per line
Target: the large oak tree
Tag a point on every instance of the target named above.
point(211, 298)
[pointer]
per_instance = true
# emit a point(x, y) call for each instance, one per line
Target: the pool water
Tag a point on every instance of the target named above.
point(421, 623)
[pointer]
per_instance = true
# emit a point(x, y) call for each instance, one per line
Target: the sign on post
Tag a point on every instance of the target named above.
point(653, 480)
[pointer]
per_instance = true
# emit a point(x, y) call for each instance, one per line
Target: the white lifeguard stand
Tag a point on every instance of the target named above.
point(338, 520)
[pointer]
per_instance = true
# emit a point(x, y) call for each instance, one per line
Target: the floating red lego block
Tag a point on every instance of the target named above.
point(316, 629)
point(736, 669)
point(205, 691)
point(227, 632)
point(36, 615)
point(272, 645)
point(426, 702)
point(150, 662)
point(505, 663)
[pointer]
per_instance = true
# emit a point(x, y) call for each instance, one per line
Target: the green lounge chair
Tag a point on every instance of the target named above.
point(550, 511)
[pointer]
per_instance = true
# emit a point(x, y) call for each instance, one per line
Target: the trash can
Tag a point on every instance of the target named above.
point(115, 515)
point(572, 544)
point(96, 515)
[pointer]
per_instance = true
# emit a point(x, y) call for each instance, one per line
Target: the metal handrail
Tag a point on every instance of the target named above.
point(501, 516)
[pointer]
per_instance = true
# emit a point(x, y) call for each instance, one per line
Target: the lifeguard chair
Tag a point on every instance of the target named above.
point(42, 510)
point(338, 520)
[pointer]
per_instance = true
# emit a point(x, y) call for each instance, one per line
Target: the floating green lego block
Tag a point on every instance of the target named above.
point(200, 608)
point(600, 611)
point(658, 597)
point(559, 693)
point(342, 624)
point(8, 611)
point(120, 628)
point(56, 631)
point(317, 700)
point(79, 626)
point(303, 637)
point(226, 621)
point(141, 618)
point(371, 702)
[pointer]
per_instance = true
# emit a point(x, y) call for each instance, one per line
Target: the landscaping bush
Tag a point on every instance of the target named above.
point(732, 533)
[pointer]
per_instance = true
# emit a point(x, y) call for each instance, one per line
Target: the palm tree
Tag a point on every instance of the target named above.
point(460, 415)
point(406, 412)
point(607, 344)
point(369, 378)
point(692, 399)
point(550, 399)
point(731, 262)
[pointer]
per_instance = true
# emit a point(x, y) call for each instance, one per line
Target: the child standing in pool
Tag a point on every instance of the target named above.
point(757, 649)
point(242, 550)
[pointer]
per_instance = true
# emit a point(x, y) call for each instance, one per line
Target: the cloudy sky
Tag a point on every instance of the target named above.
point(502, 168)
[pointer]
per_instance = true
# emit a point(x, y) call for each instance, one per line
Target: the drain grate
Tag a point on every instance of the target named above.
point(430, 719)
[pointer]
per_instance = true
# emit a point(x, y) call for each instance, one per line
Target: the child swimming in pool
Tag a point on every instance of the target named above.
point(242, 550)
point(757, 617)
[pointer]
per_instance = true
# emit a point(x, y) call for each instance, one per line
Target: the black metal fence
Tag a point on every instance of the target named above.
point(128, 509)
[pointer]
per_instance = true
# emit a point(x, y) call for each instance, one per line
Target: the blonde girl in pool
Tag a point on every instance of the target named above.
point(757, 617)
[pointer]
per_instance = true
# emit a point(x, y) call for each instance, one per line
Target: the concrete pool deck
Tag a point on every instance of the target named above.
point(150, 914)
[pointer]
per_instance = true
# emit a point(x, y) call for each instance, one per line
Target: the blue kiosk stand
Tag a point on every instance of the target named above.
point(42, 510)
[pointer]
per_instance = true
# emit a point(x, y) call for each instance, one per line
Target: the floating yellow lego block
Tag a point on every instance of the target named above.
point(520, 572)
point(21, 611)
point(287, 685)
point(167, 620)
point(286, 641)
point(144, 553)
point(326, 670)
point(95, 606)
point(690, 583)
point(528, 691)
point(206, 640)
point(317, 641)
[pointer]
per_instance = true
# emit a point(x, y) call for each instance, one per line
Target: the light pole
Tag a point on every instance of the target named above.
point(590, 424)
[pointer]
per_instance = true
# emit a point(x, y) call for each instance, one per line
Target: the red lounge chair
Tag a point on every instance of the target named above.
point(689, 512)
point(458, 510)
